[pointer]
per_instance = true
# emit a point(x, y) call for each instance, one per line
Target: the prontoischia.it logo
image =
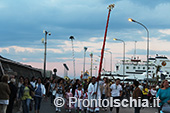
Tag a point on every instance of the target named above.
point(110, 102)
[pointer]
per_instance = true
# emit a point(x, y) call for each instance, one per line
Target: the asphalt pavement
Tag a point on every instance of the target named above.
point(46, 107)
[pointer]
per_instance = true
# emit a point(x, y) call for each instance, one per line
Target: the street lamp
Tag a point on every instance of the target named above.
point(72, 38)
point(45, 50)
point(85, 49)
point(123, 56)
point(91, 55)
point(110, 60)
point(131, 20)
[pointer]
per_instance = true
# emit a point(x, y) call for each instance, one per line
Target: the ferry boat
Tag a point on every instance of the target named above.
point(158, 68)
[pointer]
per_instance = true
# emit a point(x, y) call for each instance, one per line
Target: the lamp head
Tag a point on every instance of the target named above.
point(42, 40)
point(44, 31)
point(131, 20)
point(71, 37)
point(115, 39)
point(49, 33)
point(85, 48)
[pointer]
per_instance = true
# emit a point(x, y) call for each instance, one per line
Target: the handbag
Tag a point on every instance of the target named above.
point(166, 108)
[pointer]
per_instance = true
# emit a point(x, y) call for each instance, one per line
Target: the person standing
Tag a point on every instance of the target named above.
point(4, 94)
point(79, 95)
point(164, 96)
point(52, 90)
point(116, 93)
point(94, 93)
point(19, 101)
point(68, 95)
point(33, 82)
point(105, 91)
point(59, 92)
point(145, 92)
point(137, 93)
point(12, 96)
point(39, 93)
point(25, 95)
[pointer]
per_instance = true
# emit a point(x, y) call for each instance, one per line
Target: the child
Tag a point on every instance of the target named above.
point(79, 95)
point(68, 95)
point(85, 97)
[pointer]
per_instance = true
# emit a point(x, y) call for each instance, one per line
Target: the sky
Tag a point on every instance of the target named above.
point(22, 23)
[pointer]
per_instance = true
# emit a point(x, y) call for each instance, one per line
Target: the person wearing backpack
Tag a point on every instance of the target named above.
point(39, 93)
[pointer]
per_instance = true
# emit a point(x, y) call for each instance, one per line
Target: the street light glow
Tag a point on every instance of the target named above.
point(130, 20)
point(114, 39)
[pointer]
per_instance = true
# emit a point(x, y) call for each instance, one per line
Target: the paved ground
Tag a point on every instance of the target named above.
point(47, 108)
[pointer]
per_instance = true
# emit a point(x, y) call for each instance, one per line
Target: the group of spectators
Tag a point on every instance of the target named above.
point(20, 92)
point(27, 95)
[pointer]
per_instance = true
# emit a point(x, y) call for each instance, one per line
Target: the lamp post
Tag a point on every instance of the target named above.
point(131, 20)
point(123, 56)
point(91, 55)
point(45, 49)
point(85, 49)
point(72, 38)
point(110, 60)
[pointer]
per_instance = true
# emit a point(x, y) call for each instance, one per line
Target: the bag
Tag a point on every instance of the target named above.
point(166, 108)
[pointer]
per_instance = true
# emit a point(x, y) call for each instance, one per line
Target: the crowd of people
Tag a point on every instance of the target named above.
point(27, 95)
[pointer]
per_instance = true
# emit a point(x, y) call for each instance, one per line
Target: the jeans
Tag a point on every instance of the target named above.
point(37, 102)
point(3, 108)
point(52, 99)
point(58, 95)
point(26, 105)
point(104, 97)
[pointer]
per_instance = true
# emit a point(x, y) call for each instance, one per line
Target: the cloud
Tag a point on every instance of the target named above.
point(22, 23)
point(18, 49)
point(165, 31)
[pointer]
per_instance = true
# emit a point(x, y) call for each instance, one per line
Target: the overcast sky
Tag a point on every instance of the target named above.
point(22, 23)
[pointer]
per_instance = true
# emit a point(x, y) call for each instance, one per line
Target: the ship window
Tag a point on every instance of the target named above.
point(138, 67)
point(127, 67)
point(167, 72)
point(143, 67)
point(134, 67)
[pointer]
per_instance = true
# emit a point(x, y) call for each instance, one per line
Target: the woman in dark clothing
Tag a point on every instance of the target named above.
point(75, 86)
point(4, 94)
point(12, 96)
point(137, 93)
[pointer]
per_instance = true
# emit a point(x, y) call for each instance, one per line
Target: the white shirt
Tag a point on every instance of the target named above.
point(153, 92)
point(33, 84)
point(141, 87)
point(78, 93)
point(43, 90)
point(6, 102)
point(115, 90)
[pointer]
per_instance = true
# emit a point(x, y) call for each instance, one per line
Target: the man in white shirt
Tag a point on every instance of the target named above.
point(116, 93)
point(94, 93)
